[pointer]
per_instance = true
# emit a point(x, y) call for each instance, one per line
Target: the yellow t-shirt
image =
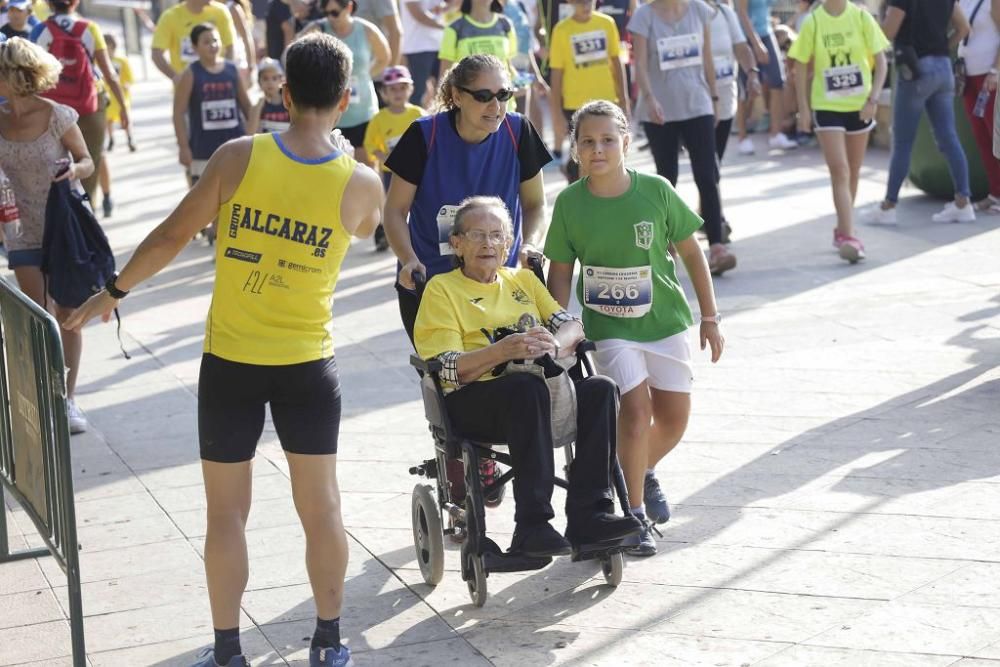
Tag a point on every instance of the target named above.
point(126, 78)
point(465, 37)
point(584, 52)
point(385, 128)
point(279, 250)
point(455, 310)
point(173, 31)
point(40, 8)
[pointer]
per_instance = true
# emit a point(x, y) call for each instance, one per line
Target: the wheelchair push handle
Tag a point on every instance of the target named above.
point(536, 264)
point(419, 282)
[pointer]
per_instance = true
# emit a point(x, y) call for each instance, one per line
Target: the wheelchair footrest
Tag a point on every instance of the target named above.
point(596, 551)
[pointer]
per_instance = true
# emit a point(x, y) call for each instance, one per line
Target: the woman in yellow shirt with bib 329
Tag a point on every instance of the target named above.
point(843, 42)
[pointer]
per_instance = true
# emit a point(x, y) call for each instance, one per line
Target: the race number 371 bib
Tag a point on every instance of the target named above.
point(624, 292)
point(843, 81)
point(589, 47)
point(678, 51)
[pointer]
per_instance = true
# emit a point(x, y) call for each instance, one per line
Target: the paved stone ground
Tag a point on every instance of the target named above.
point(835, 497)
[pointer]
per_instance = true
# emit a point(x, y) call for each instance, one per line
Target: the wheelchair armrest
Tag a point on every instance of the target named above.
point(426, 365)
point(585, 346)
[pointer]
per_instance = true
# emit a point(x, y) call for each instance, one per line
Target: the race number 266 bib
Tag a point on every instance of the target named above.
point(445, 219)
point(679, 51)
point(624, 292)
point(219, 114)
point(589, 47)
point(843, 81)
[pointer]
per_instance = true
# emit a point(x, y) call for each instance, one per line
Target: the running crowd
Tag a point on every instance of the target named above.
point(325, 137)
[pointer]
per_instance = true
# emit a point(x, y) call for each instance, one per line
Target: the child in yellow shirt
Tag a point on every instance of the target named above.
point(125, 76)
point(388, 125)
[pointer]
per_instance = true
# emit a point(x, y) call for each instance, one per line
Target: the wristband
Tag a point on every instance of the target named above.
point(717, 318)
point(113, 290)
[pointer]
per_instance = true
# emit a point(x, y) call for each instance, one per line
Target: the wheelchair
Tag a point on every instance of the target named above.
point(433, 502)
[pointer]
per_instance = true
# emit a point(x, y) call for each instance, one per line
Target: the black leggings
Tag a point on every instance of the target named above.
point(408, 306)
point(698, 135)
point(515, 408)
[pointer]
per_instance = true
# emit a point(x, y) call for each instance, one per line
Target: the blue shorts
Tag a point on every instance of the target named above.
point(28, 257)
point(772, 73)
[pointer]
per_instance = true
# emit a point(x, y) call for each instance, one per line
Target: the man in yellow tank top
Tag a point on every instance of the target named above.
point(287, 206)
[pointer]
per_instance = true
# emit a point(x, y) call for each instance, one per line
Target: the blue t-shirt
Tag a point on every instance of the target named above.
point(213, 111)
point(760, 15)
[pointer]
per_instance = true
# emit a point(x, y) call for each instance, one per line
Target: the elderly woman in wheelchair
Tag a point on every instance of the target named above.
point(485, 324)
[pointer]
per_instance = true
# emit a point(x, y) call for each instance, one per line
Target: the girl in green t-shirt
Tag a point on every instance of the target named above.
point(843, 42)
point(618, 224)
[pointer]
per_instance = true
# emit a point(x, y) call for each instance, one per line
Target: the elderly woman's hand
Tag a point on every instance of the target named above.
point(528, 346)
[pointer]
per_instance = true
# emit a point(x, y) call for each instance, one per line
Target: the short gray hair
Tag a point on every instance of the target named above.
point(475, 203)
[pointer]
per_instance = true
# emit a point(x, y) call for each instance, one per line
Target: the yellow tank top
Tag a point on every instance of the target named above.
point(279, 249)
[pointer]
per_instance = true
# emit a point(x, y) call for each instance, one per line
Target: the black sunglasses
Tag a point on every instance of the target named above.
point(334, 13)
point(485, 95)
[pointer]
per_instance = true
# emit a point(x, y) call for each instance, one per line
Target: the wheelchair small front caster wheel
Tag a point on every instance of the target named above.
point(427, 536)
point(612, 567)
point(477, 580)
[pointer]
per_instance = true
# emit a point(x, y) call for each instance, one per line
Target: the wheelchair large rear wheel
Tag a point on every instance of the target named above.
point(477, 579)
point(427, 536)
point(612, 567)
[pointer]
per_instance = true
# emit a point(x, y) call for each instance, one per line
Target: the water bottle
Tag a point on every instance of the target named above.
point(981, 99)
point(10, 219)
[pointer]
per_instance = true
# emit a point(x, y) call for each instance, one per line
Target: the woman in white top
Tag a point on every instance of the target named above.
point(423, 29)
point(981, 52)
point(678, 102)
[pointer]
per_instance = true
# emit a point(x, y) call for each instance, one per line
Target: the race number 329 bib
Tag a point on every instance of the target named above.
point(624, 292)
point(219, 114)
point(589, 47)
point(843, 81)
point(679, 51)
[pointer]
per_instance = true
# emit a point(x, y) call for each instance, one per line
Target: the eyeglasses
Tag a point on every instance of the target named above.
point(479, 236)
point(484, 95)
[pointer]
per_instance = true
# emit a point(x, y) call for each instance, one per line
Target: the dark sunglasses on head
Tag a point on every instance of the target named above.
point(485, 95)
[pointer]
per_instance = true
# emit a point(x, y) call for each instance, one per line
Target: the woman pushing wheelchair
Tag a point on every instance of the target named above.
point(478, 320)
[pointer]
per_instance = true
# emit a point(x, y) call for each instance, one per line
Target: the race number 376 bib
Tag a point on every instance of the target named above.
point(678, 51)
point(624, 292)
point(589, 47)
point(843, 81)
point(219, 114)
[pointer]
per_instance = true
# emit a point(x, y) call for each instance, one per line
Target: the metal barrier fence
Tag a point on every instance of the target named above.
point(34, 442)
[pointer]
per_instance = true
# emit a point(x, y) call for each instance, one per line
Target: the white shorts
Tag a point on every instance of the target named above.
point(663, 364)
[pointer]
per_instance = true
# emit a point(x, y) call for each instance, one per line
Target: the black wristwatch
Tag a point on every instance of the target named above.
point(112, 289)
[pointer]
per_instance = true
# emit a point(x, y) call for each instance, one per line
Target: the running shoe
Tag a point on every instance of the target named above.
point(600, 527)
point(489, 473)
point(657, 508)
point(131, 145)
point(207, 659)
point(720, 260)
point(77, 422)
point(111, 144)
point(838, 238)
point(642, 545)
point(746, 147)
point(328, 657)
point(851, 249)
point(989, 205)
point(880, 216)
point(381, 240)
point(781, 140)
point(107, 205)
point(952, 213)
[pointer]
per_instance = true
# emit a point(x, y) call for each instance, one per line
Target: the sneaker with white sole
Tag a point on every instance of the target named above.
point(77, 422)
point(746, 147)
point(952, 213)
point(329, 657)
point(780, 140)
point(880, 216)
point(851, 249)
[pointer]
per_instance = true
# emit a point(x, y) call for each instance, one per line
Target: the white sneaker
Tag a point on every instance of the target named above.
point(877, 215)
point(77, 422)
point(952, 213)
point(781, 141)
point(746, 147)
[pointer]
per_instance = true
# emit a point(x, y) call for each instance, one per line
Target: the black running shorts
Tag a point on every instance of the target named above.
point(304, 399)
point(841, 121)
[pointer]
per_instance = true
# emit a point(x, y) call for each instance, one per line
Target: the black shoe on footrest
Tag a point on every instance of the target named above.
point(539, 540)
point(601, 527)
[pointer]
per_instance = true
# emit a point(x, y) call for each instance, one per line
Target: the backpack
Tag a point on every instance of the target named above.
point(77, 87)
point(76, 256)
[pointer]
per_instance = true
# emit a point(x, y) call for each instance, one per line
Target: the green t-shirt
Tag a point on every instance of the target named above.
point(628, 281)
point(844, 49)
